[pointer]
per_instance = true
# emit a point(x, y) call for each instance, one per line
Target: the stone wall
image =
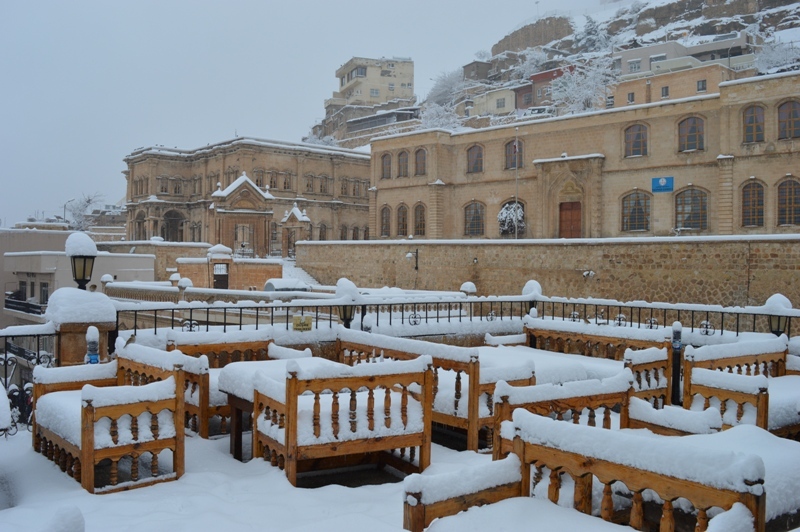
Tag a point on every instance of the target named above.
point(243, 274)
point(166, 253)
point(713, 270)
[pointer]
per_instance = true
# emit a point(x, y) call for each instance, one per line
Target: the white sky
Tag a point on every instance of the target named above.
point(85, 83)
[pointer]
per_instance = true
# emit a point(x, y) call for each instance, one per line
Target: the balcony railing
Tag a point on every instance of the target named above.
point(25, 306)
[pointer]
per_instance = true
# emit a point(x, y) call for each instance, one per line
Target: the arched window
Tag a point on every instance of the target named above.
point(323, 184)
point(323, 232)
point(273, 180)
point(356, 233)
point(356, 188)
point(753, 118)
point(386, 166)
point(402, 221)
point(474, 223)
point(420, 162)
point(691, 209)
point(343, 233)
point(636, 212)
point(511, 219)
point(287, 182)
point(419, 220)
point(344, 187)
point(691, 134)
point(636, 141)
point(753, 205)
point(386, 213)
point(402, 164)
point(514, 154)
point(366, 232)
point(474, 159)
point(789, 202)
point(789, 120)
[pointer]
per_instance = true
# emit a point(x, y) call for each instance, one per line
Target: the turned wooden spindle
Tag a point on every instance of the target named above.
point(352, 410)
point(404, 407)
point(739, 411)
point(387, 408)
point(607, 504)
point(637, 511)
point(335, 414)
point(154, 464)
point(154, 425)
point(135, 427)
point(592, 418)
point(114, 472)
point(134, 467)
point(667, 517)
point(273, 458)
point(606, 418)
point(706, 403)
point(370, 410)
point(554, 488)
point(576, 416)
point(435, 381)
point(316, 415)
point(70, 464)
point(537, 476)
point(114, 432)
point(458, 393)
point(62, 460)
point(412, 453)
point(702, 520)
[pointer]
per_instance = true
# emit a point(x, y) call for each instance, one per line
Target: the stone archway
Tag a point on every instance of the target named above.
point(172, 228)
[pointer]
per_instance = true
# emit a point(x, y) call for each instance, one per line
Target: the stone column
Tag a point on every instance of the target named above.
point(725, 215)
point(435, 214)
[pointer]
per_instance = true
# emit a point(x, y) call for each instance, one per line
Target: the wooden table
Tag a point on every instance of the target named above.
point(238, 381)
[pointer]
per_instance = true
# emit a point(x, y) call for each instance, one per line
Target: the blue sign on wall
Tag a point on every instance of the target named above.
point(662, 184)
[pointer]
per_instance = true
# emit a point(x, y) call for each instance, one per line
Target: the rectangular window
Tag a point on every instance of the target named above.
point(23, 290)
point(44, 293)
point(538, 93)
point(374, 93)
point(391, 86)
point(631, 97)
point(664, 92)
point(527, 99)
point(701, 85)
point(548, 90)
point(501, 103)
point(609, 102)
point(635, 65)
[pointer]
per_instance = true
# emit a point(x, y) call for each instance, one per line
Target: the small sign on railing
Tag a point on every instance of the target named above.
point(301, 323)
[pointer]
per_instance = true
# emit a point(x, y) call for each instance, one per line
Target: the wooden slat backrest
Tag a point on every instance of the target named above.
point(221, 354)
point(594, 345)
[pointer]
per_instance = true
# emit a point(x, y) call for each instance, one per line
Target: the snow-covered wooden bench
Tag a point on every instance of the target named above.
point(221, 353)
point(747, 381)
point(704, 478)
point(603, 341)
point(336, 416)
point(652, 373)
point(456, 403)
point(114, 414)
point(204, 400)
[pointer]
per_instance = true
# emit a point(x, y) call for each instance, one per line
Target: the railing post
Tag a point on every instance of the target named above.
point(677, 346)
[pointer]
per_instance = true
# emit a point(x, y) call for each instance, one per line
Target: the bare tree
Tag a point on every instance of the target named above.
point(446, 86)
point(586, 86)
point(80, 209)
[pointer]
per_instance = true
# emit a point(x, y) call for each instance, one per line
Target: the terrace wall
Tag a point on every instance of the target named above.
point(716, 270)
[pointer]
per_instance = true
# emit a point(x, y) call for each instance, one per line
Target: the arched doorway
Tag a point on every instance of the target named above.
point(172, 228)
point(139, 227)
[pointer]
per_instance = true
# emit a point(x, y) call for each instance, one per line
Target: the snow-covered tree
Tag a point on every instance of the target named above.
point(532, 62)
point(482, 55)
point(511, 219)
point(586, 86)
point(79, 211)
point(777, 56)
point(434, 115)
point(446, 86)
point(593, 38)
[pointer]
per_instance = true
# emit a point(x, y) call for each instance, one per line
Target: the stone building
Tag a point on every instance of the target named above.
point(713, 164)
point(240, 193)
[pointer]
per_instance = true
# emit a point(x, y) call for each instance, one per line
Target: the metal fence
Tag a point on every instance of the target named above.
point(19, 356)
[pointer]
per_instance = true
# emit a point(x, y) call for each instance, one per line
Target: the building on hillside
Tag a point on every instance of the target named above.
point(239, 192)
point(724, 163)
point(367, 87)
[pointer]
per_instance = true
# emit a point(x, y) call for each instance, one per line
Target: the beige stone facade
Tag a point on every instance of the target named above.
point(238, 193)
point(729, 163)
point(240, 274)
point(739, 270)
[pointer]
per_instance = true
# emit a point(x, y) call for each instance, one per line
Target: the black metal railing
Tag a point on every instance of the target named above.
point(24, 306)
point(19, 356)
point(706, 321)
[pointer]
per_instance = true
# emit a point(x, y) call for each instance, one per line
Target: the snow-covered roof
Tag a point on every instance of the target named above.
point(297, 213)
point(241, 181)
point(245, 141)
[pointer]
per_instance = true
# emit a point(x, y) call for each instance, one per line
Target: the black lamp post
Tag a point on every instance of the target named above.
point(82, 266)
point(346, 313)
point(414, 254)
point(777, 324)
point(81, 251)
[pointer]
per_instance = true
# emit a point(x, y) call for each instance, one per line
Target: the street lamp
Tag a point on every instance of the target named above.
point(65, 209)
point(777, 324)
point(81, 251)
point(346, 313)
point(414, 254)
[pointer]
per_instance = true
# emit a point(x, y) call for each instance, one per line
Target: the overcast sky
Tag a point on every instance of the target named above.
point(85, 83)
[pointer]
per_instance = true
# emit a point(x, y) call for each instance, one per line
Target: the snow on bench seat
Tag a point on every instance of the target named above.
point(327, 415)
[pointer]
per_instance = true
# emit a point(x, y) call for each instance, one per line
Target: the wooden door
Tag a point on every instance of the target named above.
point(221, 276)
point(569, 219)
